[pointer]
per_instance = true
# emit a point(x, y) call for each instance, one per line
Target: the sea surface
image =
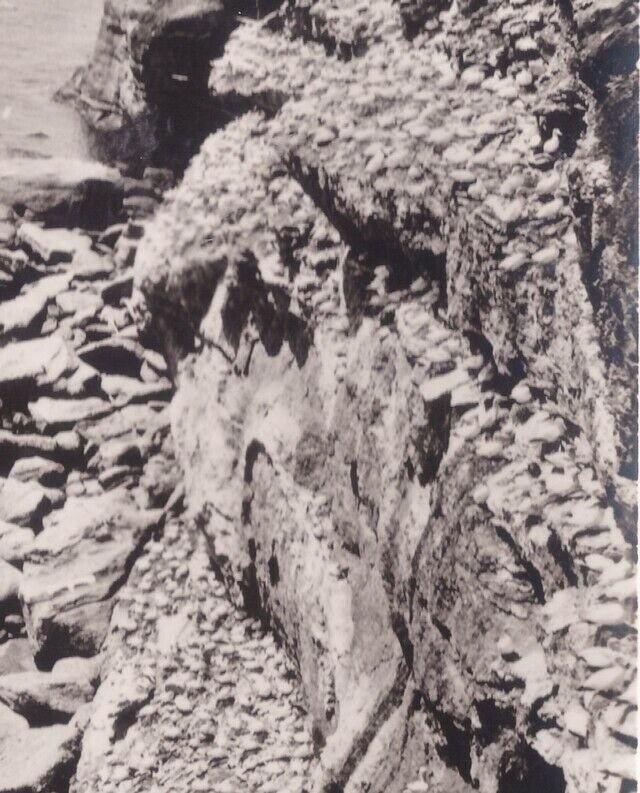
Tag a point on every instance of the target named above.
point(41, 44)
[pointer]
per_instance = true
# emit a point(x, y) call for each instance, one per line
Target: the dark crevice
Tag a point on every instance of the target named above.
point(299, 337)
point(254, 450)
point(442, 628)
point(245, 514)
point(493, 720)
point(531, 574)
point(128, 717)
point(250, 589)
point(455, 751)
point(172, 328)
point(525, 771)
point(566, 10)
point(502, 382)
point(351, 547)
point(274, 569)
point(14, 446)
point(42, 715)
point(564, 112)
point(132, 559)
point(250, 299)
point(416, 14)
point(353, 476)
point(374, 241)
point(432, 439)
point(563, 557)
point(401, 630)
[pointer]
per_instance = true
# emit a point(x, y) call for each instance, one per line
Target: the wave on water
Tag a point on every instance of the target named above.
point(41, 45)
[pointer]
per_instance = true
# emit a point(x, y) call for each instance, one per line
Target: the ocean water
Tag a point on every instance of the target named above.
point(41, 43)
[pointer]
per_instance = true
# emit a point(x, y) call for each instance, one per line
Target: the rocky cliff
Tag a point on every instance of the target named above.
point(397, 291)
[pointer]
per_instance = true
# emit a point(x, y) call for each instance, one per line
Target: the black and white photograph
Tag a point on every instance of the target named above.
point(318, 396)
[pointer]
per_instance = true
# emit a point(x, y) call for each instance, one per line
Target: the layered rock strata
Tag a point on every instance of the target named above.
point(398, 296)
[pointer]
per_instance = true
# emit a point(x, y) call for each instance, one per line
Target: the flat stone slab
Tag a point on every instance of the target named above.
point(88, 265)
point(74, 568)
point(73, 301)
point(65, 413)
point(20, 313)
point(38, 760)
point(53, 186)
point(60, 447)
point(139, 419)
point(36, 362)
point(52, 245)
point(15, 542)
point(46, 472)
point(10, 578)
point(23, 503)
point(130, 390)
point(10, 722)
point(49, 697)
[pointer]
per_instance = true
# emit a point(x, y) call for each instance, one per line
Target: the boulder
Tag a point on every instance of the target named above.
point(10, 722)
point(44, 698)
point(121, 451)
point(16, 656)
point(36, 362)
point(20, 313)
point(142, 420)
point(15, 542)
point(23, 503)
point(56, 414)
point(61, 189)
point(84, 305)
point(46, 472)
point(117, 475)
point(52, 245)
point(10, 578)
point(90, 266)
point(38, 760)
point(130, 390)
point(74, 568)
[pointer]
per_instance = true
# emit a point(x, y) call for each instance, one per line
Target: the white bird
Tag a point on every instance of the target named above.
point(552, 145)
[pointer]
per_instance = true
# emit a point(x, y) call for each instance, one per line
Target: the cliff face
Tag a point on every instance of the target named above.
point(398, 295)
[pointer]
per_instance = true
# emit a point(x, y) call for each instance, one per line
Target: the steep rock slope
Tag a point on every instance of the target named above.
point(399, 299)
